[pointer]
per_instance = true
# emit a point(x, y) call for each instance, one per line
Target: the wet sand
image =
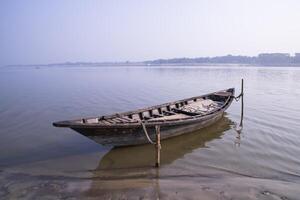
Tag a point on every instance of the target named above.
point(137, 186)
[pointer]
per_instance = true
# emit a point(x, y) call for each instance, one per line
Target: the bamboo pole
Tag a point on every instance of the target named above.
point(242, 103)
point(157, 146)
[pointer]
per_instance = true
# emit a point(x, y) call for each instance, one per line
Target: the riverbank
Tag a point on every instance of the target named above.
point(150, 186)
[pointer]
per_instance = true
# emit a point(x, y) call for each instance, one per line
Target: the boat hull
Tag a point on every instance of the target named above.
point(136, 136)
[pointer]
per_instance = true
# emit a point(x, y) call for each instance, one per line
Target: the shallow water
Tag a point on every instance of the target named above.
point(38, 160)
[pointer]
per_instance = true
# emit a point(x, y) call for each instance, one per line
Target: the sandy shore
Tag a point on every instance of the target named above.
point(147, 186)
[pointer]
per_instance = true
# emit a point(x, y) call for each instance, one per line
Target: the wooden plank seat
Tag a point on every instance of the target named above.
point(169, 113)
point(170, 117)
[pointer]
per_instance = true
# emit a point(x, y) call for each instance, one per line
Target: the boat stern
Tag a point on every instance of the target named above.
point(62, 124)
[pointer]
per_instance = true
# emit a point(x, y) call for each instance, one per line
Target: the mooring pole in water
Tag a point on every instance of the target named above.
point(242, 103)
point(157, 146)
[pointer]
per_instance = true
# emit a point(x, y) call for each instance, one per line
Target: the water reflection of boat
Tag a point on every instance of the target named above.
point(126, 171)
point(172, 149)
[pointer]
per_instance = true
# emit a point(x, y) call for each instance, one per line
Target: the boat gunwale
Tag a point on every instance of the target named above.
point(74, 123)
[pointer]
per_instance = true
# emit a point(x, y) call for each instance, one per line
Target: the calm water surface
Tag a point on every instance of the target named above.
point(38, 160)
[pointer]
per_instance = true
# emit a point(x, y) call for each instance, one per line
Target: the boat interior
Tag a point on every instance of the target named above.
point(178, 110)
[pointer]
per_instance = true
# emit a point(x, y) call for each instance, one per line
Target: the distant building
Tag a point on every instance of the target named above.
point(274, 58)
point(297, 58)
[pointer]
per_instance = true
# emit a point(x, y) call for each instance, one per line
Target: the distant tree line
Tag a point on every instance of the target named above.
point(271, 59)
point(261, 59)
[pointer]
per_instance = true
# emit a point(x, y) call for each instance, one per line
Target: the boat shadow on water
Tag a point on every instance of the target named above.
point(143, 156)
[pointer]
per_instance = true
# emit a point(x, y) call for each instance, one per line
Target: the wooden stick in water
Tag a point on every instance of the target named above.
point(157, 146)
point(242, 103)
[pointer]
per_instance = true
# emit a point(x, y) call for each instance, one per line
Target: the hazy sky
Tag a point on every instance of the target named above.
point(49, 31)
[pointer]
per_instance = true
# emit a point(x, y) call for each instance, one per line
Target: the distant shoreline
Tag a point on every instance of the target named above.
point(262, 60)
point(155, 65)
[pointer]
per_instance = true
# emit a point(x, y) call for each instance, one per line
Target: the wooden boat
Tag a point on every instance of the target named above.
point(174, 118)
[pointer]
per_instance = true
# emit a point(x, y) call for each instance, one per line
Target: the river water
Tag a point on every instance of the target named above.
point(38, 160)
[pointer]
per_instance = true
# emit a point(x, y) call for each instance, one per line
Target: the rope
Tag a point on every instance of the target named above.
point(146, 133)
point(238, 97)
